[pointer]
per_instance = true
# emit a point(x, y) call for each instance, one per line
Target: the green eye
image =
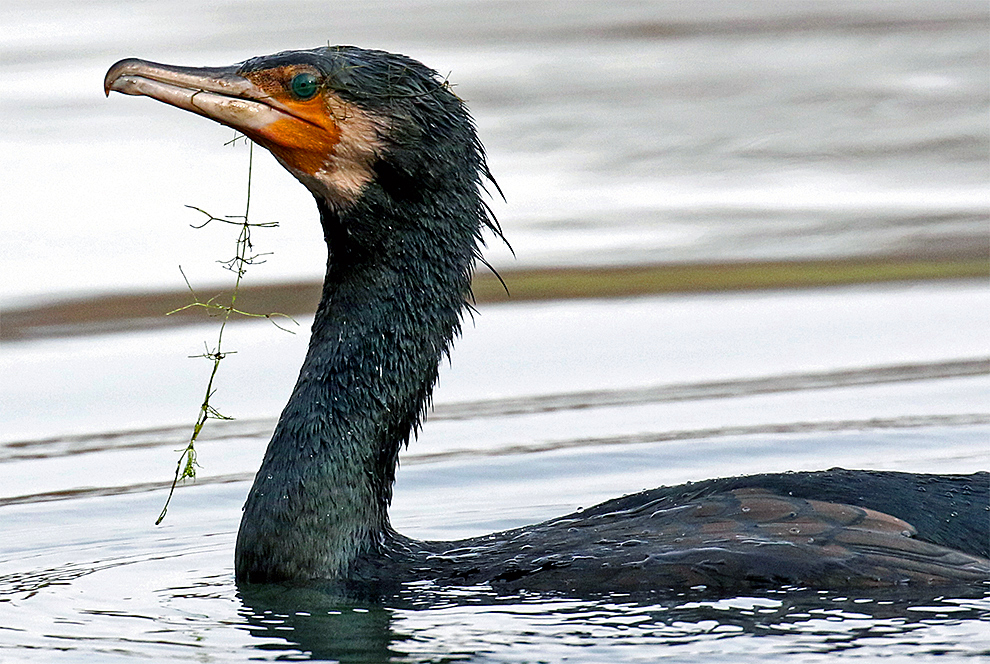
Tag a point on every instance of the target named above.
point(304, 86)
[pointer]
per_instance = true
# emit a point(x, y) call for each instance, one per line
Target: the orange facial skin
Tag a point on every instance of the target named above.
point(305, 135)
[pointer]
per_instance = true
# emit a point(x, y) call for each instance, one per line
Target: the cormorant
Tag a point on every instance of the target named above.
point(392, 157)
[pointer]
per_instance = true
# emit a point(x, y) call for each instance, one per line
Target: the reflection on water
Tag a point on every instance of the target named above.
point(471, 623)
point(318, 623)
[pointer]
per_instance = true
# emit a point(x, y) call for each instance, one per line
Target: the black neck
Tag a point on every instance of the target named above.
point(385, 320)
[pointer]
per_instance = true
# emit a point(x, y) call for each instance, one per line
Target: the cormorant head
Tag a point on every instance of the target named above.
point(359, 128)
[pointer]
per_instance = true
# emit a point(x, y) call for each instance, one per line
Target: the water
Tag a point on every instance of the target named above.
point(622, 132)
point(86, 577)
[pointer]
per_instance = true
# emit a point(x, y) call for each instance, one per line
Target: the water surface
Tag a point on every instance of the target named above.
point(541, 414)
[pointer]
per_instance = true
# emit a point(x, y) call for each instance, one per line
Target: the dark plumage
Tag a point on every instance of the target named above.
point(392, 157)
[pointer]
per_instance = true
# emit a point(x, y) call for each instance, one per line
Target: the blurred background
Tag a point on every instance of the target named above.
point(621, 133)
